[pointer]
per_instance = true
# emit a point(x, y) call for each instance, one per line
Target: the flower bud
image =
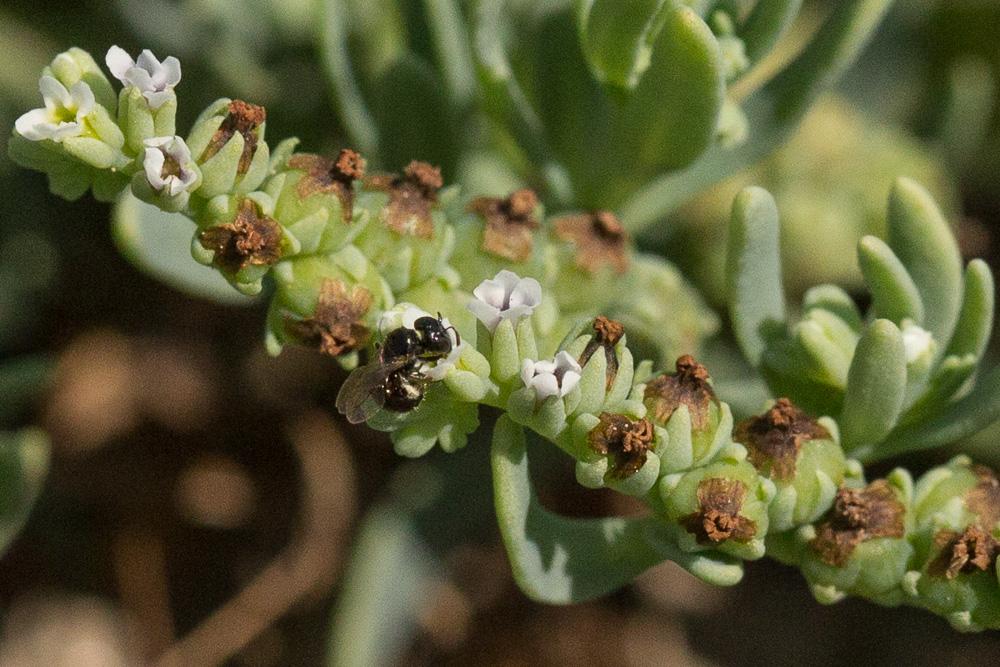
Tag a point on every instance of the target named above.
point(314, 199)
point(239, 237)
point(494, 234)
point(615, 450)
point(722, 506)
point(408, 238)
point(589, 256)
point(801, 456)
point(147, 105)
point(330, 303)
point(860, 546)
point(168, 175)
point(606, 380)
point(697, 423)
point(227, 141)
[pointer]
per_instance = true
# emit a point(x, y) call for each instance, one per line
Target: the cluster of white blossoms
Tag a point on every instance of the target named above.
point(507, 296)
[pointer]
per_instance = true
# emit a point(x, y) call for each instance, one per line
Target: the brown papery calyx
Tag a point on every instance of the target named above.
point(689, 386)
point(510, 224)
point(250, 239)
point(627, 441)
point(337, 325)
point(858, 515)
point(411, 198)
point(599, 238)
point(984, 497)
point(774, 439)
point(718, 517)
point(607, 333)
point(326, 176)
point(244, 118)
point(972, 550)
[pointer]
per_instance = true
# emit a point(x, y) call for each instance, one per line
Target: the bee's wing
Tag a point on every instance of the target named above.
point(360, 396)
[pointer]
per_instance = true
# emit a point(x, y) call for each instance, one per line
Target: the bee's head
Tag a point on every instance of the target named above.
point(435, 339)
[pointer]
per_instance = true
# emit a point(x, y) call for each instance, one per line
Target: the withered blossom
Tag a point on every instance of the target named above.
point(687, 386)
point(411, 197)
point(251, 239)
point(337, 325)
point(607, 333)
point(974, 549)
point(326, 176)
point(858, 515)
point(774, 439)
point(627, 441)
point(718, 517)
point(510, 224)
point(984, 497)
point(599, 239)
point(244, 118)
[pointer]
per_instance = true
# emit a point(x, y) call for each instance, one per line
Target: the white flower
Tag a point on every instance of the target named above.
point(917, 342)
point(166, 164)
point(155, 79)
point(551, 378)
point(63, 114)
point(506, 297)
point(405, 315)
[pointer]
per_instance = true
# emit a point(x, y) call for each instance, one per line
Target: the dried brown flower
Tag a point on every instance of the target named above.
point(718, 517)
point(627, 441)
point(973, 549)
point(324, 175)
point(984, 498)
point(773, 439)
point(411, 197)
point(858, 515)
point(244, 118)
point(607, 333)
point(337, 325)
point(510, 224)
point(688, 386)
point(599, 238)
point(250, 239)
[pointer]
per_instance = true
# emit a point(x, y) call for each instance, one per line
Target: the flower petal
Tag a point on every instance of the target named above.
point(152, 163)
point(545, 385)
point(53, 92)
point(492, 292)
point(119, 62)
point(148, 62)
point(527, 292)
point(171, 71)
point(569, 382)
point(34, 125)
point(83, 98)
point(488, 314)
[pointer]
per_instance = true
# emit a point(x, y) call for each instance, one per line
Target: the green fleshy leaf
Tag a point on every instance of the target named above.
point(24, 462)
point(159, 245)
point(557, 560)
point(356, 116)
point(618, 37)
point(975, 321)
point(774, 111)
point(966, 416)
point(833, 300)
point(390, 574)
point(765, 25)
point(876, 386)
point(756, 295)
point(894, 294)
point(438, 420)
point(923, 241)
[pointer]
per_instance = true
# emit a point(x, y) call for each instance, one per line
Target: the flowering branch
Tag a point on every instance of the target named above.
point(441, 305)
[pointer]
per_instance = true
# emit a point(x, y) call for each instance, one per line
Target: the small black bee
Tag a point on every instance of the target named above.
point(393, 379)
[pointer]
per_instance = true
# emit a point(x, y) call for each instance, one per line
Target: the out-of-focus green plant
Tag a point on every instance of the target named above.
point(582, 101)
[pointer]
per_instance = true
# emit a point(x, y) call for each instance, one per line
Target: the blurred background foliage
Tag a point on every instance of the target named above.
point(201, 500)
